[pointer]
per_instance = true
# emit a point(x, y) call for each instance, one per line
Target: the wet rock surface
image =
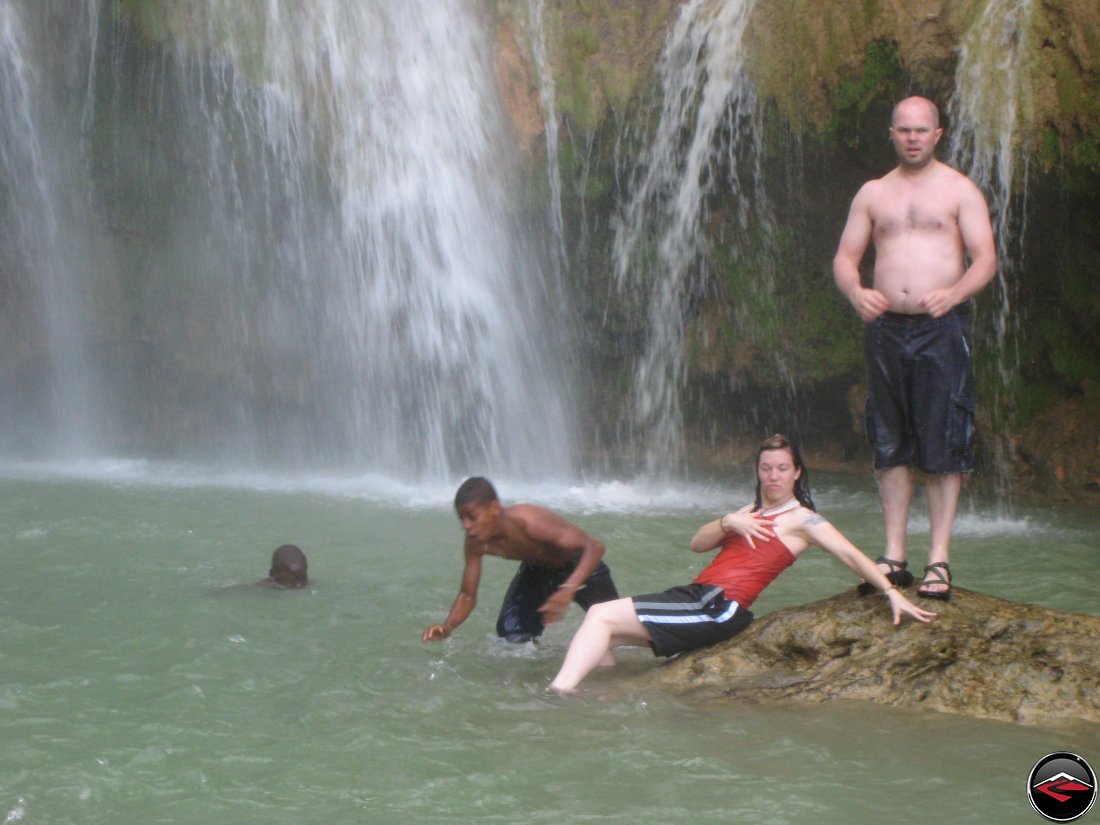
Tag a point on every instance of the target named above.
point(982, 656)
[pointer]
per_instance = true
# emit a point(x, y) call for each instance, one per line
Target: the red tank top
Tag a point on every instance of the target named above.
point(743, 571)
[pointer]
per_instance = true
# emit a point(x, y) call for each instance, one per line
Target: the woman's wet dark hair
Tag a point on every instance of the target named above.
point(801, 484)
point(475, 490)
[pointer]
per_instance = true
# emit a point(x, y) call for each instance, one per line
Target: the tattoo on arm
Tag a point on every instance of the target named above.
point(814, 518)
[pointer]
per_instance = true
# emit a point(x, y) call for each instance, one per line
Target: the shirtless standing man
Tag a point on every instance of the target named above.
point(925, 219)
point(560, 564)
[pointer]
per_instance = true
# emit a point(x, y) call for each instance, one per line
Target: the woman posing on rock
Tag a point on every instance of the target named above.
point(758, 542)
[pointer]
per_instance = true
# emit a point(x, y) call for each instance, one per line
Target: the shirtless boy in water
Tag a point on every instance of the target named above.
point(926, 220)
point(559, 564)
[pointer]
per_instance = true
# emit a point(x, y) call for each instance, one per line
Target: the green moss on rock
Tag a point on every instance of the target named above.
point(881, 78)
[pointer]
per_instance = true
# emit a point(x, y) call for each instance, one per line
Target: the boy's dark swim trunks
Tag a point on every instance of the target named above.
point(520, 620)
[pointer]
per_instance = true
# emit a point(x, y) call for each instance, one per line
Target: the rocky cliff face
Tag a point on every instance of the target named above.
point(826, 77)
point(981, 657)
point(805, 57)
point(805, 53)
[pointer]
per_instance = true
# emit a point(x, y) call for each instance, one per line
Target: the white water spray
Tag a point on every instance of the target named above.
point(984, 113)
point(535, 25)
point(51, 403)
point(707, 112)
point(334, 277)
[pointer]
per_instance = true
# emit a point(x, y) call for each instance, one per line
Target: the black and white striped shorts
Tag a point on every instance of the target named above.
point(688, 617)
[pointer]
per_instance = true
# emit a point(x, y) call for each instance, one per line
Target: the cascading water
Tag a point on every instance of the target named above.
point(316, 235)
point(983, 114)
point(536, 35)
point(706, 117)
point(51, 404)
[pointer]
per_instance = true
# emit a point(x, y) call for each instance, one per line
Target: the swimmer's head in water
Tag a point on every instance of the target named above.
point(289, 567)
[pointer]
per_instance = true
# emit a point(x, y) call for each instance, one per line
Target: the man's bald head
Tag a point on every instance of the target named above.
point(917, 102)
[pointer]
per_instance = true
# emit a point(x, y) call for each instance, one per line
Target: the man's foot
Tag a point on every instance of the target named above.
point(936, 585)
point(896, 573)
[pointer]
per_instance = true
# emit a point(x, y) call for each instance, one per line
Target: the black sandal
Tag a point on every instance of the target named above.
point(898, 576)
point(937, 578)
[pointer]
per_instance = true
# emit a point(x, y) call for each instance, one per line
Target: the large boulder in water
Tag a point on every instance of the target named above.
point(981, 656)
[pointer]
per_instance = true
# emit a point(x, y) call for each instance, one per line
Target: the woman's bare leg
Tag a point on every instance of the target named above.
point(606, 625)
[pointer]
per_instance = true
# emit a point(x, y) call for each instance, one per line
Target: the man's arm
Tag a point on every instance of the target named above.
point(464, 602)
point(977, 238)
point(869, 303)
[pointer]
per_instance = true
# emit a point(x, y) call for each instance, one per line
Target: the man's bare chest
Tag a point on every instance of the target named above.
point(912, 218)
point(529, 552)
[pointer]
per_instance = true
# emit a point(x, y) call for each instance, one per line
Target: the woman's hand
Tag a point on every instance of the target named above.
point(750, 525)
point(899, 604)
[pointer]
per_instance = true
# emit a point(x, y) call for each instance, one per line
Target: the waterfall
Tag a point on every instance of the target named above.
point(707, 114)
point(536, 34)
point(317, 236)
point(51, 402)
point(984, 113)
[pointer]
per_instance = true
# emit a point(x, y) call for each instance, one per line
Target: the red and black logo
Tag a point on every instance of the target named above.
point(1062, 787)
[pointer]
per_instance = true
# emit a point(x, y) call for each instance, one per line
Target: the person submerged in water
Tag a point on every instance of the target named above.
point(758, 542)
point(289, 568)
point(559, 564)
